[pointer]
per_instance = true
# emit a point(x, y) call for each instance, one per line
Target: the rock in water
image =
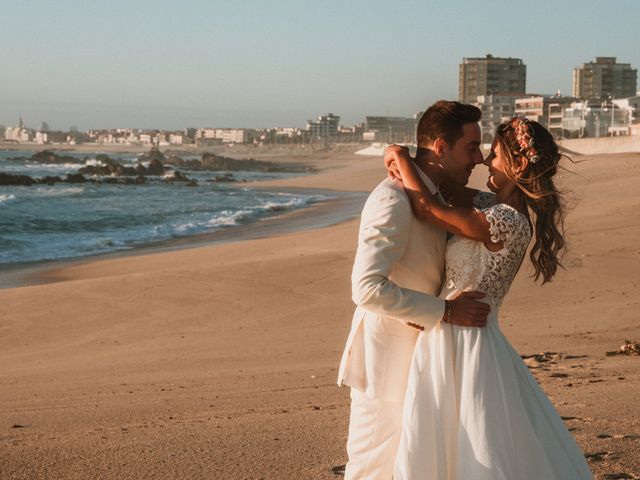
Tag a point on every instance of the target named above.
point(47, 156)
point(155, 167)
point(75, 178)
point(11, 179)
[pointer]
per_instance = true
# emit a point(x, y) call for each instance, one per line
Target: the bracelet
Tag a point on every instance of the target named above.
point(447, 311)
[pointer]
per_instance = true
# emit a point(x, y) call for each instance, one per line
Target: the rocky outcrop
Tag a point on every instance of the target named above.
point(108, 170)
point(213, 162)
point(155, 167)
point(47, 156)
point(153, 154)
point(108, 166)
point(26, 181)
point(75, 178)
point(11, 179)
point(178, 177)
point(225, 178)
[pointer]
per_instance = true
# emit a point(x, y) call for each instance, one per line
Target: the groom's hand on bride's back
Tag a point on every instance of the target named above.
point(466, 310)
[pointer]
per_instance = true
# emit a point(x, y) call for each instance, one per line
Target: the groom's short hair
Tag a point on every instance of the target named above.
point(445, 119)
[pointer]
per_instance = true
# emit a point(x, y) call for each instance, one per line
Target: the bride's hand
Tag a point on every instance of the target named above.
point(392, 155)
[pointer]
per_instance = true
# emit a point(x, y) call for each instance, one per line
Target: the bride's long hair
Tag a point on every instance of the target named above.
point(520, 138)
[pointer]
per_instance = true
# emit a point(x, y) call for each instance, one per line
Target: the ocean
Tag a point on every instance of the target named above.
point(66, 221)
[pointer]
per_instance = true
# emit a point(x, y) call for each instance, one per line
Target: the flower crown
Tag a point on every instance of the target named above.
point(525, 138)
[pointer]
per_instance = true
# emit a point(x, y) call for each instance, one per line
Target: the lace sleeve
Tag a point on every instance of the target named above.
point(484, 199)
point(507, 225)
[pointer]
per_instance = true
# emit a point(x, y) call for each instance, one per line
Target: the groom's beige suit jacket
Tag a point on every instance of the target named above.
point(397, 275)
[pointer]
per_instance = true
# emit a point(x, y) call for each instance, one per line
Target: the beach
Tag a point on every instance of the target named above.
point(220, 361)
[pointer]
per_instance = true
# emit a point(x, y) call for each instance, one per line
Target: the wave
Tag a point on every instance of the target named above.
point(56, 192)
point(237, 217)
point(230, 217)
point(92, 162)
point(51, 166)
point(70, 226)
point(294, 202)
point(7, 197)
point(280, 206)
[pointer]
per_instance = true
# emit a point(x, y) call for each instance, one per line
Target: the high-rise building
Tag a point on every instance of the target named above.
point(604, 78)
point(491, 75)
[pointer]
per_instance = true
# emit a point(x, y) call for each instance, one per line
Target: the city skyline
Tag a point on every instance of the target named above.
point(151, 65)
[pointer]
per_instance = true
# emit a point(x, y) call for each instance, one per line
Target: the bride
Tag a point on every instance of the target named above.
point(472, 409)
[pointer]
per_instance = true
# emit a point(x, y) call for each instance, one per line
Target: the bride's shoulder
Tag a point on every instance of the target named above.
point(507, 223)
point(484, 199)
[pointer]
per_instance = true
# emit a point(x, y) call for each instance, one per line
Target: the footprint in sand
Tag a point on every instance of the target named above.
point(338, 470)
point(580, 419)
point(598, 456)
point(545, 359)
point(618, 436)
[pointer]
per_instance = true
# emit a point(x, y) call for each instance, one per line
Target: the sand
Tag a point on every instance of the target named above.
point(219, 362)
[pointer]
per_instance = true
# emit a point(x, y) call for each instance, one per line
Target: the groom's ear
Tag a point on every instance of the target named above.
point(440, 147)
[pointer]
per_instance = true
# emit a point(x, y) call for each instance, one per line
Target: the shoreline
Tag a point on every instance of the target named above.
point(345, 205)
point(342, 207)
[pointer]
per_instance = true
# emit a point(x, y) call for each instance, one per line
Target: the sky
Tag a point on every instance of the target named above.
point(257, 64)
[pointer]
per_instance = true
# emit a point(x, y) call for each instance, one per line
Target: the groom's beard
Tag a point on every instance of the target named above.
point(446, 177)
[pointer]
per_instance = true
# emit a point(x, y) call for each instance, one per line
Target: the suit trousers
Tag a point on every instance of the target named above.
point(374, 435)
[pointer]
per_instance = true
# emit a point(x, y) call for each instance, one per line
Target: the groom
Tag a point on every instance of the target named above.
point(397, 275)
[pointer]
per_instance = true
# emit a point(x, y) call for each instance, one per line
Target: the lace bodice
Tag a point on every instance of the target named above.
point(471, 266)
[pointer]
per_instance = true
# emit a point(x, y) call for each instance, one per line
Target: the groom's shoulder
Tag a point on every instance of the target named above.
point(389, 187)
point(388, 191)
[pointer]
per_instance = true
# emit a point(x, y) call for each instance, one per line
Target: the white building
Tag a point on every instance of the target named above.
point(42, 137)
point(176, 138)
point(288, 132)
point(146, 138)
point(595, 119)
point(205, 133)
point(545, 109)
point(496, 109)
point(632, 105)
point(18, 134)
point(226, 135)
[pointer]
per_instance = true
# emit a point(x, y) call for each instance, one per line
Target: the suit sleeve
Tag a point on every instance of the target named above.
point(383, 237)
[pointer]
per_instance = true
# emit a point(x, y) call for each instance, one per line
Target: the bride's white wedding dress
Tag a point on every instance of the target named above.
point(472, 410)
